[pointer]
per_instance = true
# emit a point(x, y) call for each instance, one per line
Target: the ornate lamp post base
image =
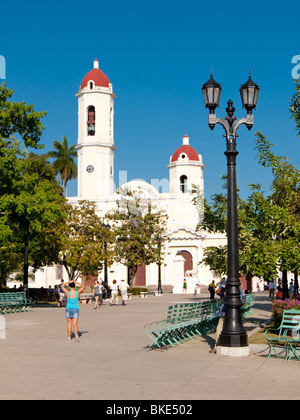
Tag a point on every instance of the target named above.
point(233, 351)
point(234, 339)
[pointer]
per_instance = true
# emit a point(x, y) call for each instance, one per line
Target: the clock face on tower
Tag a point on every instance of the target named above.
point(90, 169)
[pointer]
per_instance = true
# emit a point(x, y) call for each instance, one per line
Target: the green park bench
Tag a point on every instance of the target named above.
point(25, 303)
point(187, 321)
point(14, 302)
point(285, 338)
point(248, 302)
point(183, 322)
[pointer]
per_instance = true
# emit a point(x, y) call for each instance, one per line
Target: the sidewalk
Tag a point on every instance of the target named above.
point(111, 363)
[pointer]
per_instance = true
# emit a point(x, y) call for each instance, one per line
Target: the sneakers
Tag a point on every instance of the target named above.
point(213, 351)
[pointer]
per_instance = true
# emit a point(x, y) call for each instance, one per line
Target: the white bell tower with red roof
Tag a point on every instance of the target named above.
point(95, 144)
point(185, 169)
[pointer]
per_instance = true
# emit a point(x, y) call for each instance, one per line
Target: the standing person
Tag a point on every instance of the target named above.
point(221, 292)
point(102, 291)
point(279, 289)
point(291, 288)
point(221, 288)
point(61, 294)
point(96, 294)
point(184, 286)
point(271, 289)
point(123, 289)
point(72, 309)
point(212, 290)
point(197, 289)
point(114, 293)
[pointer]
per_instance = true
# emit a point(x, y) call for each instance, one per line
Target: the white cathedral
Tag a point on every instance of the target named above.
point(96, 150)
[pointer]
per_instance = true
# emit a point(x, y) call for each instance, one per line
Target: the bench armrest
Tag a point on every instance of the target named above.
point(269, 331)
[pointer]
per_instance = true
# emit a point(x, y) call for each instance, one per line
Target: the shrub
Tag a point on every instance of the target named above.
point(278, 306)
point(137, 290)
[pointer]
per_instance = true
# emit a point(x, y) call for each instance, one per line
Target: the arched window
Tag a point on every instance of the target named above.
point(91, 125)
point(110, 121)
point(183, 184)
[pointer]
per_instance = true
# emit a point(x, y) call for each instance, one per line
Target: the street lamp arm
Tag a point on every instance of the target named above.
point(248, 121)
point(230, 125)
point(213, 120)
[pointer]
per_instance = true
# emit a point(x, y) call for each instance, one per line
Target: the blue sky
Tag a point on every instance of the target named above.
point(157, 55)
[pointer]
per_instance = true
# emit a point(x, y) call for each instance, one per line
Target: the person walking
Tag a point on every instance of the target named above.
point(212, 290)
point(61, 294)
point(102, 291)
point(271, 289)
point(72, 308)
point(221, 292)
point(291, 289)
point(184, 288)
point(114, 294)
point(279, 293)
point(123, 289)
point(96, 293)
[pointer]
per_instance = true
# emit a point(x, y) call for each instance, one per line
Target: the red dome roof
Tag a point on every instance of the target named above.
point(187, 150)
point(97, 76)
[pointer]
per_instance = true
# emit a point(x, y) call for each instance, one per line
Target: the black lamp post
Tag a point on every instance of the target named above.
point(106, 226)
point(159, 288)
point(233, 334)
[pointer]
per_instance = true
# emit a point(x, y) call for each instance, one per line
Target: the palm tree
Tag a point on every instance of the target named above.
point(64, 161)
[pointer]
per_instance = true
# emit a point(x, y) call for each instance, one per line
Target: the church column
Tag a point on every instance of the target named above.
point(200, 257)
point(167, 266)
point(179, 274)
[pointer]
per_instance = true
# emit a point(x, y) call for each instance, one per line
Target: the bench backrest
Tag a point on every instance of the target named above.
point(290, 320)
point(191, 311)
point(12, 297)
point(7, 297)
point(248, 299)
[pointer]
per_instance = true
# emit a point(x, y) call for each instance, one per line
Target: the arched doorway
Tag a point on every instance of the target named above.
point(140, 277)
point(137, 276)
point(188, 264)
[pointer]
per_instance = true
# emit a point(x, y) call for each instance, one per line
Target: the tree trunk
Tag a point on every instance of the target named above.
point(296, 285)
point(131, 275)
point(285, 289)
point(25, 281)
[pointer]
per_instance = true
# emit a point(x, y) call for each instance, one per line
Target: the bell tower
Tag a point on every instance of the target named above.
point(95, 144)
point(185, 170)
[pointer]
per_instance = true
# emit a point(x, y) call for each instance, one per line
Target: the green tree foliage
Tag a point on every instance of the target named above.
point(82, 239)
point(139, 230)
point(31, 207)
point(268, 226)
point(20, 119)
point(64, 164)
point(295, 106)
point(281, 209)
point(30, 200)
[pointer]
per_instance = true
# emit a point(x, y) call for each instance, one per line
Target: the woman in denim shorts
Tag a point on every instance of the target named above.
point(72, 309)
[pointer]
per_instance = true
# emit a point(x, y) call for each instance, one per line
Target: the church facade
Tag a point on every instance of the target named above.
point(96, 152)
point(184, 249)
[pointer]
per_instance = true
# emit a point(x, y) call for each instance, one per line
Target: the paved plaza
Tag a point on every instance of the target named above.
point(111, 361)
